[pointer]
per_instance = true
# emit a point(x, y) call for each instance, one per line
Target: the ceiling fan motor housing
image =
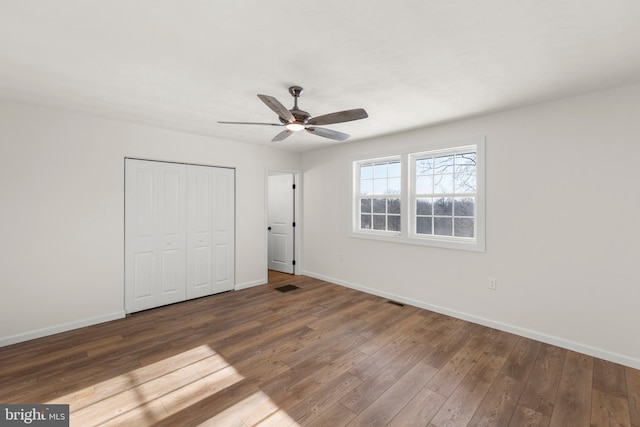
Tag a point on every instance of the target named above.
point(300, 116)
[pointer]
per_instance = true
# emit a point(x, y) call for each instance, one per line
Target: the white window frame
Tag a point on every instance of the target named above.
point(373, 195)
point(408, 235)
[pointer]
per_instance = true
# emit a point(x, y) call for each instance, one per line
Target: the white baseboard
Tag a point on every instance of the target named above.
point(246, 285)
point(39, 333)
point(527, 333)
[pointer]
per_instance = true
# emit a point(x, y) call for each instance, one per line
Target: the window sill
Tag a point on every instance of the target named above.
point(474, 245)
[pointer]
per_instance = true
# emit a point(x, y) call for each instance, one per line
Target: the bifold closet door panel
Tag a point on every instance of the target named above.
point(224, 229)
point(200, 263)
point(210, 230)
point(155, 234)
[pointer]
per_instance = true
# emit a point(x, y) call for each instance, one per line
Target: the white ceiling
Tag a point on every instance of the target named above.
point(185, 65)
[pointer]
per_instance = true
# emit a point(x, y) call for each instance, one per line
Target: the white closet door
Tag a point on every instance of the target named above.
point(200, 263)
point(155, 234)
point(210, 231)
point(223, 229)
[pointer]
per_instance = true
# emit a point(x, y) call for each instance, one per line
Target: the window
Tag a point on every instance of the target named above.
point(379, 195)
point(432, 197)
point(445, 193)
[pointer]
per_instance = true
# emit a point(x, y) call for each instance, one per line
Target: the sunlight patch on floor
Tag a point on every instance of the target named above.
point(111, 386)
point(254, 410)
point(154, 391)
point(193, 393)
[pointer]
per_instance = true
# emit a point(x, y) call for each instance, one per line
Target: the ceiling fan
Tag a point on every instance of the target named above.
point(295, 120)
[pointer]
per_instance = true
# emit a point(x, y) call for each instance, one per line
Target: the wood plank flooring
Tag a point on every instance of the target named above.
point(320, 355)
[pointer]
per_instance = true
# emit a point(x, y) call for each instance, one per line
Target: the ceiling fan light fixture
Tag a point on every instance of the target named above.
point(294, 127)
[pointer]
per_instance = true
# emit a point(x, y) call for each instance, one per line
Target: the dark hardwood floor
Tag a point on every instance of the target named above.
point(319, 355)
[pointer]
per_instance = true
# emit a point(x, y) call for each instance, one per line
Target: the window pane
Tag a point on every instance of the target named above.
point(393, 206)
point(366, 172)
point(464, 206)
point(442, 226)
point(423, 225)
point(393, 186)
point(465, 168)
point(366, 187)
point(424, 207)
point(465, 160)
point(463, 227)
point(394, 222)
point(365, 222)
point(443, 184)
point(424, 185)
point(443, 206)
point(424, 166)
point(380, 170)
point(443, 164)
point(379, 222)
point(394, 169)
point(466, 183)
point(465, 173)
point(365, 205)
point(380, 186)
point(379, 205)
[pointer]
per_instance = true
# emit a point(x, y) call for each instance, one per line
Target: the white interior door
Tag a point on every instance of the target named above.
point(155, 234)
point(281, 222)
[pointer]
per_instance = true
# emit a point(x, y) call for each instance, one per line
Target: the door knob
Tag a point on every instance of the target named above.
point(269, 228)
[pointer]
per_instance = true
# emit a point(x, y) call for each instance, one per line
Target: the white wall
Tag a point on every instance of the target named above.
point(563, 230)
point(61, 222)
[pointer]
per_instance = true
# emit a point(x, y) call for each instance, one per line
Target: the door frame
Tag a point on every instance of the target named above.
point(297, 203)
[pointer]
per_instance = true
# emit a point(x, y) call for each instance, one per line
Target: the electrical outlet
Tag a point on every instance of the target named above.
point(341, 257)
point(493, 283)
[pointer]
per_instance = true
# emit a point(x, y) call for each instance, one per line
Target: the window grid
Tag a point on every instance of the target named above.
point(379, 195)
point(444, 197)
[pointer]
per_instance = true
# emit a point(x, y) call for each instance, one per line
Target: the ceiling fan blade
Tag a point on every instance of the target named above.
point(339, 117)
point(282, 135)
point(277, 107)
point(328, 133)
point(251, 123)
